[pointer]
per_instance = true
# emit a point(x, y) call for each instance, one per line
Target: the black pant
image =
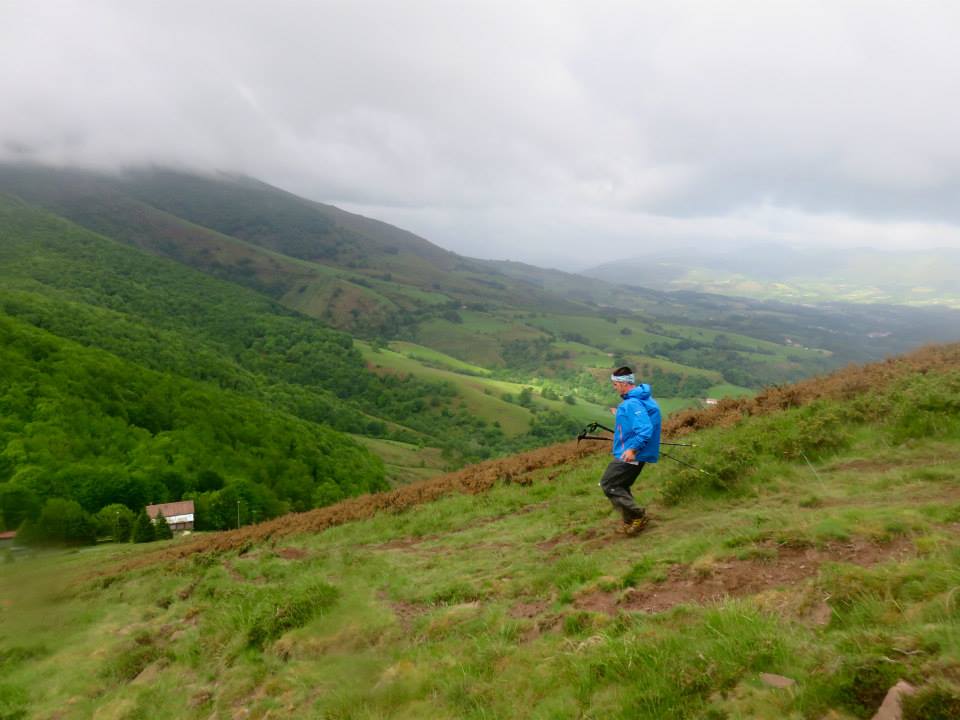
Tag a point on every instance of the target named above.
point(616, 482)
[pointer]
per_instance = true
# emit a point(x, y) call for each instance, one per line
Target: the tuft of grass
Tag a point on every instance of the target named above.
point(639, 572)
point(860, 683)
point(940, 700)
point(280, 612)
point(811, 501)
point(14, 702)
point(133, 657)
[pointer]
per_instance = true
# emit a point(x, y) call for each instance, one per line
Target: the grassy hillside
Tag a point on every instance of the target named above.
point(822, 548)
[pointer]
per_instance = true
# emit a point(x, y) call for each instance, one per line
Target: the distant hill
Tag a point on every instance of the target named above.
point(910, 277)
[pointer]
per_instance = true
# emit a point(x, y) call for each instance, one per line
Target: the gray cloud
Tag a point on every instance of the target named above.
point(543, 131)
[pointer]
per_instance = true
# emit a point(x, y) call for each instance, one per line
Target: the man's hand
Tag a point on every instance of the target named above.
point(629, 455)
point(613, 411)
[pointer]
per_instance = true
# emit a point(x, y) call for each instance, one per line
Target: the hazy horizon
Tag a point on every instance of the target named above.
point(560, 134)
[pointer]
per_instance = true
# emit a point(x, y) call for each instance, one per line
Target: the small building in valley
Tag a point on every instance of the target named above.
point(7, 538)
point(179, 515)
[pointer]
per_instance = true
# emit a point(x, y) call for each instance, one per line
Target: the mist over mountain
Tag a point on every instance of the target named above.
point(911, 277)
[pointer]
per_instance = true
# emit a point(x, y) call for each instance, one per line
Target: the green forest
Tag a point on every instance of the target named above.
point(80, 424)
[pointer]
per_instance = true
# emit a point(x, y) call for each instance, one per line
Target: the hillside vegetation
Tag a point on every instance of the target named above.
point(382, 283)
point(129, 379)
point(223, 292)
point(822, 548)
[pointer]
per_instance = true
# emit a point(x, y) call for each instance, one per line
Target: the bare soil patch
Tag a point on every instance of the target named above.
point(591, 537)
point(406, 612)
point(233, 572)
point(400, 543)
point(740, 578)
point(529, 610)
point(289, 553)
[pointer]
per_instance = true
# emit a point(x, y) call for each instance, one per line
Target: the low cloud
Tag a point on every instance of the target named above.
point(557, 132)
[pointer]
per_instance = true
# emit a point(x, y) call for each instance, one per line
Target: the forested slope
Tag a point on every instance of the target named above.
point(180, 383)
point(81, 424)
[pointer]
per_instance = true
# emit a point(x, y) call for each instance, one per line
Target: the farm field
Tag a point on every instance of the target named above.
point(404, 462)
point(482, 395)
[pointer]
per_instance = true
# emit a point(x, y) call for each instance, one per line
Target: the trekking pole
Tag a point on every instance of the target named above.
point(584, 435)
point(682, 462)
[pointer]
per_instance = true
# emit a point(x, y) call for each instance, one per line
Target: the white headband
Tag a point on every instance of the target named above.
point(624, 378)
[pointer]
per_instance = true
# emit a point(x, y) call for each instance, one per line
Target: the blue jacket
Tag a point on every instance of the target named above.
point(638, 425)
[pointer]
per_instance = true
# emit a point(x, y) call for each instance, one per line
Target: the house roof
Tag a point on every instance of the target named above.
point(182, 507)
point(8, 535)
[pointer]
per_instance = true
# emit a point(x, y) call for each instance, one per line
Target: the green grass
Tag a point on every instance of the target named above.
point(601, 332)
point(483, 395)
point(404, 462)
point(780, 352)
point(727, 390)
point(419, 352)
point(488, 605)
point(460, 342)
point(491, 407)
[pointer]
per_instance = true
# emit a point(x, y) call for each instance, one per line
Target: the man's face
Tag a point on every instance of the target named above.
point(621, 387)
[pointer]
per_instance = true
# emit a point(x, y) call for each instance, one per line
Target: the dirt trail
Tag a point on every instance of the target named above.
point(739, 578)
point(479, 478)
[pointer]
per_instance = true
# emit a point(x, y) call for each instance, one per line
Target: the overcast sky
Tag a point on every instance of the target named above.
point(565, 134)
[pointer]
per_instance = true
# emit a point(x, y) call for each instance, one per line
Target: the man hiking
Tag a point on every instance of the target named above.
point(636, 441)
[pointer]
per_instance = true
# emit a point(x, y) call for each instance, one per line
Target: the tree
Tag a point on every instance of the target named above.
point(142, 529)
point(208, 480)
point(115, 520)
point(161, 528)
point(61, 522)
point(17, 504)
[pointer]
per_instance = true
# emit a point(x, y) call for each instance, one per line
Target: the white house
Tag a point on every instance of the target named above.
point(179, 515)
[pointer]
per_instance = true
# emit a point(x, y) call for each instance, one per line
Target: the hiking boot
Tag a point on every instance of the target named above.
point(637, 525)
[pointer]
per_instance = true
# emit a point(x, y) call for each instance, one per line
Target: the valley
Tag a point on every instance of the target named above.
point(412, 359)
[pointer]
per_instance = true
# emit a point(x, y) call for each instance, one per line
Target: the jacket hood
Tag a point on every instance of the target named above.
point(640, 392)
